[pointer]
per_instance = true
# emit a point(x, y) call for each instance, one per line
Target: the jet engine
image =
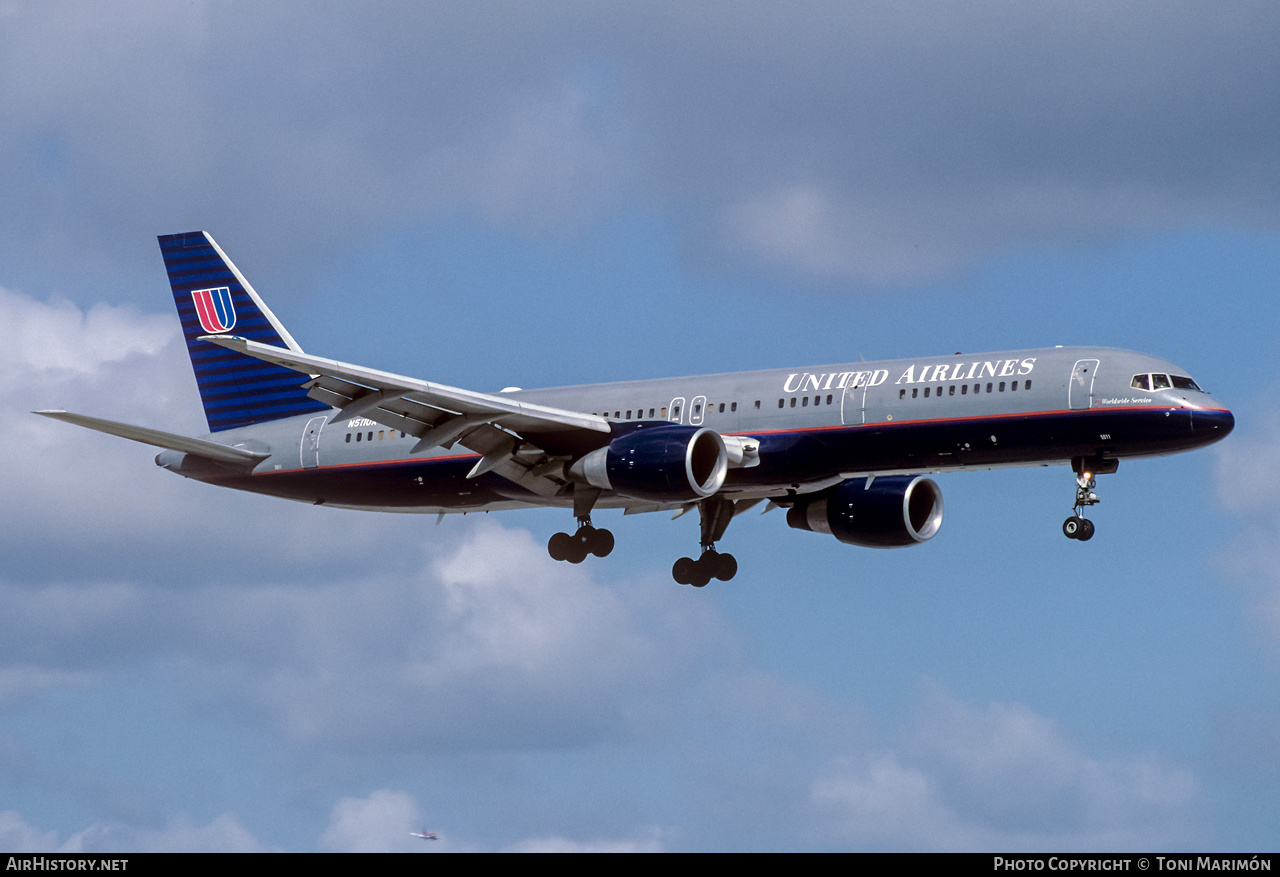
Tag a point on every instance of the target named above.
point(659, 463)
point(882, 512)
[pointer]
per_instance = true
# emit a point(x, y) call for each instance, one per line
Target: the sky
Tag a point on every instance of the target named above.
point(496, 194)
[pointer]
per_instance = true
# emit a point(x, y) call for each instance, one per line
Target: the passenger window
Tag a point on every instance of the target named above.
point(964, 389)
point(348, 438)
point(780, 401)
point(722, 408)
point(926, 392)
point(1026, 385)
point(1013, 386)
point(828, 400)
point(793, 401)
point(359, 436)
point(628, 414)
point(914, 391)
point(902, 394)
point(988, 388)
point(1002, 386)
point(734, 406)
point(805, 403)
point(951, 390)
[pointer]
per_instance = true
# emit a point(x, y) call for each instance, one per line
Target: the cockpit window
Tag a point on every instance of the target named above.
point(1159, 381)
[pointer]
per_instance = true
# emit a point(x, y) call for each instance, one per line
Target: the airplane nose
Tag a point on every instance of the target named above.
point(1213, 424)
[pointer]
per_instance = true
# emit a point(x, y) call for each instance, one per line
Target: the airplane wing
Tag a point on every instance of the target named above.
point(157, 438)
point(514, 438)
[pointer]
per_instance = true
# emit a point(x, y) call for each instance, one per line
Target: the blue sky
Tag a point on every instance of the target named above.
point(524, 194)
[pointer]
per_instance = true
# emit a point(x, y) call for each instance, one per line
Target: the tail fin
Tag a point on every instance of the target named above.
point(213, 298)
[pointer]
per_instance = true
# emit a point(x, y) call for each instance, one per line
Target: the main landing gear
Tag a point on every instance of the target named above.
point(716, 513)
point(1077, 526)
point(587, 539)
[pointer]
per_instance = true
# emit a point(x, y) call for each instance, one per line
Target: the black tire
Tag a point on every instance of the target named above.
point(682, 571)
point(1086, 530)
point(601, 543)
point(559, 545)
point(726, 567)
point(1071, 527)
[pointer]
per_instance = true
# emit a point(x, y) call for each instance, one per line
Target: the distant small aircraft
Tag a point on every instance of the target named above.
point(844, 448)
point(425, 835)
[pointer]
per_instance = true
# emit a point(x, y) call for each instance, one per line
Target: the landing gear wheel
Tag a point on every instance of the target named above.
point(1076, 527)
point(711, 565)
point(559, 546)
point(601, 542)
point(575, 548)
point(726, 567)
point(577, 551)
point(701, 573)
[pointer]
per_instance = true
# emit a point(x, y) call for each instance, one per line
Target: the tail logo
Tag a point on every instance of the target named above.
point(213, 306)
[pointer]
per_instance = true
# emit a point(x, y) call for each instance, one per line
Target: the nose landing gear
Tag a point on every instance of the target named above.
point(1077, 526)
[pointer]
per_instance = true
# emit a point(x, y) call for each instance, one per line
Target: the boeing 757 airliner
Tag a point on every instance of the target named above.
point(844, 448)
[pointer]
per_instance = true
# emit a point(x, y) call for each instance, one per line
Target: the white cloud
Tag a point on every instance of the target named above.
point(490, 644)
point(933, 139)
point(649, 844)
point(1248, 484)
point(820, 234)
point(378, 823)
point(17, 836)
point(59, 337)
point(223, 834)
point(1006, 778)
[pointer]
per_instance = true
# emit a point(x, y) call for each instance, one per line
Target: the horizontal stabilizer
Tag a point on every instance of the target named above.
point(199, 447)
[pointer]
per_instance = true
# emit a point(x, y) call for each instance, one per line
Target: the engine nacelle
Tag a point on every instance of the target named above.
point(882, 512)
point(659, 463)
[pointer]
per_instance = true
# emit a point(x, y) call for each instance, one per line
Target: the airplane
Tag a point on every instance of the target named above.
point(424, 834)
point(844, 448)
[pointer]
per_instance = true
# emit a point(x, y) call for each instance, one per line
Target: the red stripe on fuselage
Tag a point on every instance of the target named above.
point(797, 431)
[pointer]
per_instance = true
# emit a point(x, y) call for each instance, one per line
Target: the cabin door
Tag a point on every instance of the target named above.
point(853, 404)
point(310, 448)
point(1080, 388)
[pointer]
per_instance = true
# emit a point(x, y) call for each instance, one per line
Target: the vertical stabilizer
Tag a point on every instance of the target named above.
point(213, 298)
